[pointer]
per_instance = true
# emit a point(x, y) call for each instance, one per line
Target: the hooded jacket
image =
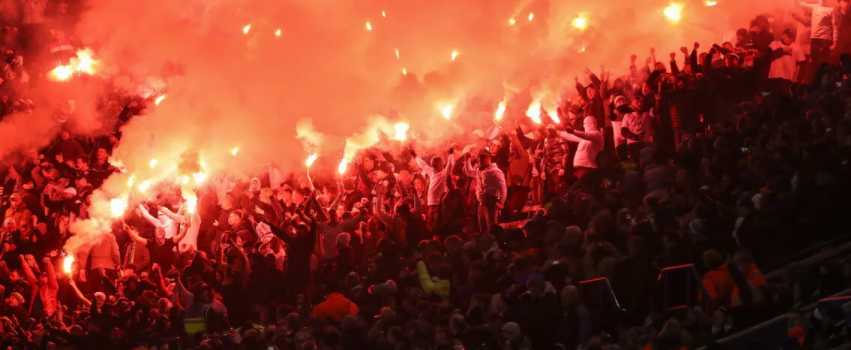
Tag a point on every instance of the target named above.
point(590, 143)
point(491, 181)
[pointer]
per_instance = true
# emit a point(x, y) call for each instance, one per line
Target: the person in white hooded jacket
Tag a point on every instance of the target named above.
point(491, 190)
point(590, 144)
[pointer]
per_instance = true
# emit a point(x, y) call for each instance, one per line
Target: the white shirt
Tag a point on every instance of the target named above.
point(437, 180)
point(822, 22)
point(590, 144)
point(786, 66)
point(491, 181)
point(638, 122)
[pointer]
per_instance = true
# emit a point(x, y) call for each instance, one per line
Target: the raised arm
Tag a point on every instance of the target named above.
point(145, 214)
point(134, 234)
point(182, 233)
point(28, 272)
point(468, 168)
point(170, 214)
point(79, 294)
point(51, 274)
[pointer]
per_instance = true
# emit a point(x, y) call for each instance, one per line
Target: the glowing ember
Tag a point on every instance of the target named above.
point(159, 99)
point(191, 202)
point(278, 32)
point(199, 177)
point(344, 165)
point(511, 21)
point(234, 151)
point(144, 186)
point(454, 54)
point(500, 111)
point(531, 16)
point(383, 14)
point(62, 73)
point(446, 111)
point(404, 71)
point(117, 207)
point(534, 112)
point(368, 26)
point(674, 12)
point(153, 163)
point(246, 29)
point(401, 131)
point(311, 159)
point(397, 53)
point(580, 22)
point(711, 3)
point(68, 264)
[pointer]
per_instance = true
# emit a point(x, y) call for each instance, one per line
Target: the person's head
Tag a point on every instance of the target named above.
point(369, 161)
point(81, 182)
point(788, 36)
point(254, 185)
point(590, 124)
point(234, 218)
point(228, 202)
point(419, 184)
point(82, 164)
point(100, 299)
point(16, 200)
point(712, 259)
point(731, 60)
point(742, 258)
point(638, 103)
point(620, 100)
point(159, 235)
point(511, 331)
point(484, 160)
point(437, 163)
point(14, 300)
point(570, 296)
point(591, 91)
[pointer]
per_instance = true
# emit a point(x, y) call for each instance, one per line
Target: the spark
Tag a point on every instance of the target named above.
point(674, 12)
point(159, 100)
point(344, 165)
point(710, 3)
point(153, 163)
point(531, 16)
point(401, 131)
point(404, 71)
point(500, 111)
point(368, 26)
point(68, 264)
point(278, 32)
point(310, 160)
point(534, 112)
point(246, 29)
point(397, 53)
point(446, 111)
point(512, 21)
point(383, 14)
point(117, 207)
point(234, 151)
point(454, 54)
point(580, 22)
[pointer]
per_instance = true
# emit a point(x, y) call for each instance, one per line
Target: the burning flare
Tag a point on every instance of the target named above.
point(500, 111)
point(310, 160)
point(144, 186)
point(68, 264)
point(531, 16)
point(153, 163)
point(383, 14)
point(199, 177)
point(83, 63)
point(710, 3)
point(368, 26)
point(62, 73)
point(397, 53)
point(580, 22)
point(191, 202)
point(446, 111)
point(246, 29)
point(404, 71)
point(534, 112)
point(344, 165)
point(674, 12)
point(159, 100)
point(117, 207)
point(553, 114)
point(454, 54)
point(234, 151)
point(512, 21)
point(401, 131)
point(278, 32)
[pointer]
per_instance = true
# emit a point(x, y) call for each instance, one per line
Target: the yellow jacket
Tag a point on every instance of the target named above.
point(441, 287)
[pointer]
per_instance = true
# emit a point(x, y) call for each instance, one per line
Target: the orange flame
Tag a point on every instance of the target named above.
point(500, 111)
point(344, 165)
point(311, 159)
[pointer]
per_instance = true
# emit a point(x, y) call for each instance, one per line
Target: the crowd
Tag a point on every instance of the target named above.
point(554, 236)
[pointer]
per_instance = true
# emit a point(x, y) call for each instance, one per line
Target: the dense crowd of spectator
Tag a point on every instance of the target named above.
point(727, 158)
